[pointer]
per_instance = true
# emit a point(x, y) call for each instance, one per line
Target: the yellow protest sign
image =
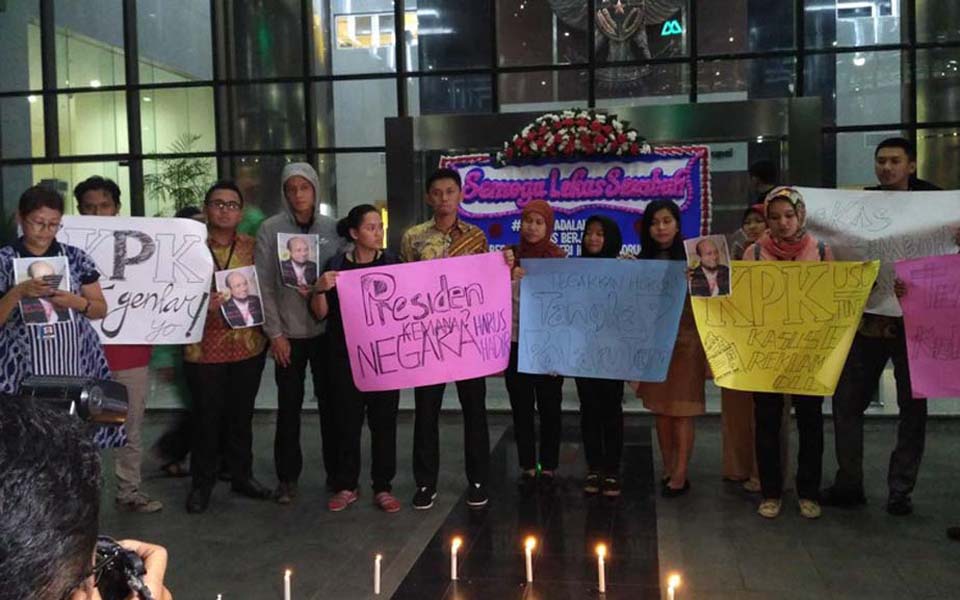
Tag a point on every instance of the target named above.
point(786, 327)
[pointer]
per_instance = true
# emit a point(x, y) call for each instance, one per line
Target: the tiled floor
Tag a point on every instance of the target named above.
point(712, 536)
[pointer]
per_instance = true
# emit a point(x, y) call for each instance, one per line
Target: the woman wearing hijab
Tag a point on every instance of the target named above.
point(529, 393)
point(786, 239)
point(601, 400)
point(680, 398)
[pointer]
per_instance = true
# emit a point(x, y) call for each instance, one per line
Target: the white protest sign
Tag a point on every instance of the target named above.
point(885, 226)
point(155, 274)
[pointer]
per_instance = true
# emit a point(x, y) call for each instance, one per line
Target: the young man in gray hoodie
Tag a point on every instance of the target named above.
point(295, 334)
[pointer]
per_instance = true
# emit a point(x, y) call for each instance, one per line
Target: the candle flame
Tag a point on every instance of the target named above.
point(530, 543)
point(288, 573)
point(601, 550)
point(456, 543)
point(379, 557)
point(673, 580)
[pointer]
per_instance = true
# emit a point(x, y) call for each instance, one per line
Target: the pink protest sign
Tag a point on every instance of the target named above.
point(427, 322)
point(931, 317)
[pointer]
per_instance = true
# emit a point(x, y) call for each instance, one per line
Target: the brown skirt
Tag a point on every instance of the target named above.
point(682, 394)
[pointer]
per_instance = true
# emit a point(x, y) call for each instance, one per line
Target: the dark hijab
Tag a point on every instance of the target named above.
point(648, 246)
point(612, 239)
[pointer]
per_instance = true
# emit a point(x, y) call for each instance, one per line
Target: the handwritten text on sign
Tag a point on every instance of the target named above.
point(884, 226)
point(155, 275)
point(428, 322)
point(787, 326)
point(931, 316)
point(603, 318)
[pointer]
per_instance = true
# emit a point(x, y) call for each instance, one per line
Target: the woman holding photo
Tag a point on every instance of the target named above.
point(680, 398)
point(786, 239)
point(68, 347)
point(362, 226)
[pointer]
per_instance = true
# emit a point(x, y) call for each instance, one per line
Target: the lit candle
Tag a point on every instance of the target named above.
point(454, 548)
point(376, 574)
point(673, 582)
point(286, 584)
point(528, 546)
point(601, 568)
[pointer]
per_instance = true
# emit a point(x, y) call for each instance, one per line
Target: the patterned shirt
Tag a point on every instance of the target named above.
point(426, 241)
point(220, 343)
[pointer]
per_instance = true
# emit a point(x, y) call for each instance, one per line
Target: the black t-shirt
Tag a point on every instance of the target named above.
point(341, 262)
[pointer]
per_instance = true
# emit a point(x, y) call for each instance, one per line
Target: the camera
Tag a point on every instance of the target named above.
point(119, 572)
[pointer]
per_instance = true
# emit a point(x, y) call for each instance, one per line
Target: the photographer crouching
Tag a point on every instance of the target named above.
point(49, 515)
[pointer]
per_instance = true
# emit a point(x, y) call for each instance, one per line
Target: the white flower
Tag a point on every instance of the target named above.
point(632, 136)
point(602, 118)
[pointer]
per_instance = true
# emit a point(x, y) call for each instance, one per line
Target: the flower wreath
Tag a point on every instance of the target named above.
point(572, 134)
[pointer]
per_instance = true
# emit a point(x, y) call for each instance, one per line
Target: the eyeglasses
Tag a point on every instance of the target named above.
point(228, 206)
point(41, 226)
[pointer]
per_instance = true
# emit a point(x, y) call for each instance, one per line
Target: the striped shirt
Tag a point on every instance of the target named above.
point(426, 241)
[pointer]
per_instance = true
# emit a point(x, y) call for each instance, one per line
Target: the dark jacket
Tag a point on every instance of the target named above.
point(916, 185)
point(235, 318)
point(700, 287)
point(289, 276)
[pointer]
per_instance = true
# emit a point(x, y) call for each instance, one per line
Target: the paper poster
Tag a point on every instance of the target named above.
point(55, 272)
point(427, 322)
point(240, 297)
point(931, 318)
point(786, 327)
point(708, 259)
point(298, 254)
point(884, 226)
point(599, 317)
point(155, 275)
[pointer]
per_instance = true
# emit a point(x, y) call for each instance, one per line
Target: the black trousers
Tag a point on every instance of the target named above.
point(858, 383)
point(768, 416)
point(350, 407)
point(223, 398)
point(426, 431)
point(531, 394)
point(287, 456)
point(601, 423)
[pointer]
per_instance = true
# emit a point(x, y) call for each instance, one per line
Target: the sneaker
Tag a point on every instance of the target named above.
point(769, 508)
point(591, 484)
point(342, 500)
point(752, 486)
point(831, 496)
point(899, 506)
point(611, 487)
point(477, 496)
point(809, 509)
point(387, 502)
point(138, 502)
point(423, 499)
point(286, 492)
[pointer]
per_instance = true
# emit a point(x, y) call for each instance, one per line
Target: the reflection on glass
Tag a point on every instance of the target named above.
point(65, 177)
point(174, 39)
point(449, 34)
point(937, 150)
point(359, 109)
point(360, 179)
point(530, 33)
point(21, 127)
point(743, 26)
point(854, 157)
point(938, 85)
point(263, 38)
point(450, 94)
point(832, 23)
point(938, 20)
point(731, 80)
point(859, 88)
point(20, 47)
point(258, 178)
point(542, 90)
point(267, 116)
point(92, 123)
point(364, 37)
point(171, 115)
point(643, 84)
point(89, 41)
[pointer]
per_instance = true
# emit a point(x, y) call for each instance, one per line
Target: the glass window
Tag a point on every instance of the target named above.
point(258, 177)
point(174, 39)
point(541, 33)
point(263, 43)
point(20, 68)
point(831, 23)
point(638, 30)
point(171, 184)
point(449, 94)
point(361, 178)
point(364, 37)
point(938, 20)
point(730, 80)
point(542, 90)
point(13, 181)
point(743, 26)
point(644, 84)
point(177, 120)
point(359, 108)
point(854, 156)
point(21, 125)
point(938, 84)
point(89, 40)
point(937, 151)
point(865, 87)
point(64, 177)
point(448, 34)
point(92, 123)
point(266, 116)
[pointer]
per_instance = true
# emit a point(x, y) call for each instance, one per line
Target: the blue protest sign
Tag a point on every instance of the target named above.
point(602, 318)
